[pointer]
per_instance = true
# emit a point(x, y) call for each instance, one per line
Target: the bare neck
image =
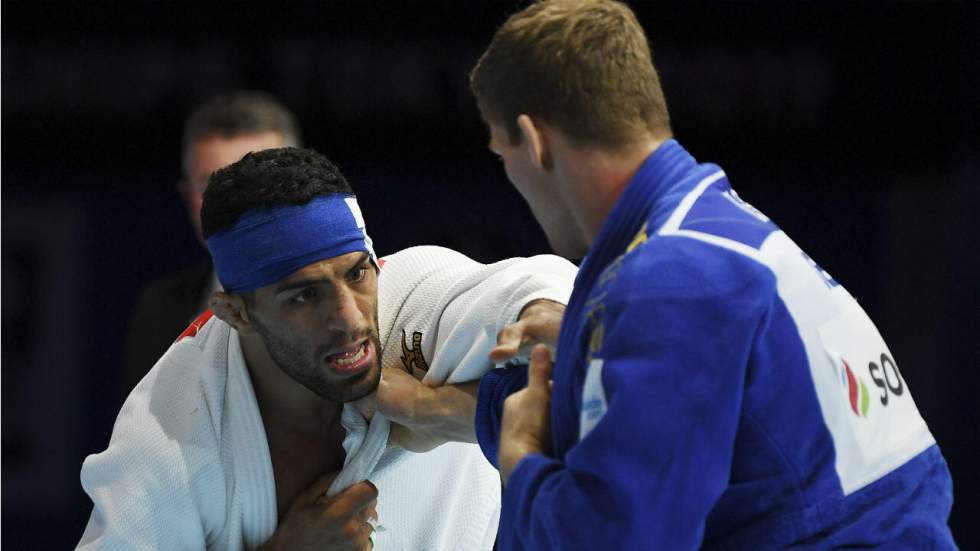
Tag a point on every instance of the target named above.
point(283, 401)
point(596, 178)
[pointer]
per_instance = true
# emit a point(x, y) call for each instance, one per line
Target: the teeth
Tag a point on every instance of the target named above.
point(352, 359)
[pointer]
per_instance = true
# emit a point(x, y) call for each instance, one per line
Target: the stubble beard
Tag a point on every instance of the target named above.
point(306, 368)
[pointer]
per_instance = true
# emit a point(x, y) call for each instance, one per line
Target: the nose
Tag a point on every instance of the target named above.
point(346, 315)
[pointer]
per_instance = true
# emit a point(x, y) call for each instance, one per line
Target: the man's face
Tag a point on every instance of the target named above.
point(542, 192)
point(320, 325)
point(210, 154)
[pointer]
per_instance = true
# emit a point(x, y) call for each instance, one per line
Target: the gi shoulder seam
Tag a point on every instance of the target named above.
point(673, 224)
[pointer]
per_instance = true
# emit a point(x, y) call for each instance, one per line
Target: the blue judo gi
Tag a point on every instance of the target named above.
point(715, 388)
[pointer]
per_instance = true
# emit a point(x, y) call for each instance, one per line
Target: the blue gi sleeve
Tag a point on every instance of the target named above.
point(673, 364)
point(495, 386)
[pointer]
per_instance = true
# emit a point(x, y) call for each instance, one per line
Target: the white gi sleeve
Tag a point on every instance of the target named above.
point(159, 484)
point(459, 305)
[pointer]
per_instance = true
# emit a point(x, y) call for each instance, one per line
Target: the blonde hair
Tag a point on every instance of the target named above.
point(582, 66)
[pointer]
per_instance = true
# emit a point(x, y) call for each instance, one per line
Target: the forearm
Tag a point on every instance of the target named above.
point(449, 410)
point(424, 417)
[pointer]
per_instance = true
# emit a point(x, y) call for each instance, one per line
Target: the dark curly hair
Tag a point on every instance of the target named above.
point(267, 179)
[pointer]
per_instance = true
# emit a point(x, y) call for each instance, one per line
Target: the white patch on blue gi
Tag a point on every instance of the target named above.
point(593, 399)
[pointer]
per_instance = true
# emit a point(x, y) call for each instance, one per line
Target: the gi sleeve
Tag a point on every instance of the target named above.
point(158, 484)
point(459, 305)
point(480, 304)
point(494, 388)
point(486, 299)
point(671, 369)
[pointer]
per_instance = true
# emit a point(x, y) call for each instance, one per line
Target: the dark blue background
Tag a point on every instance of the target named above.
point(853, 126)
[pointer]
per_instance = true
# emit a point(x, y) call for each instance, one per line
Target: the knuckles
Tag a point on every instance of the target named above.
point(353, 529)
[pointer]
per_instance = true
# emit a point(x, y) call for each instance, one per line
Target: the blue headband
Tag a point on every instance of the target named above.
point(266, 245)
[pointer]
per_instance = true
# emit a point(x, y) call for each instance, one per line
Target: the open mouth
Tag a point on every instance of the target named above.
point(352, 359)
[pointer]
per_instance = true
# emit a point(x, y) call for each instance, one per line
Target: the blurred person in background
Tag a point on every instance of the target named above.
point(216, 134)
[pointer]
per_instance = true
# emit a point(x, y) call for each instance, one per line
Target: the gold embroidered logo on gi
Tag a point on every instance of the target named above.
point(595, 341)
point(597, 327)
point(608, 274)
point(638, 239)
point(413, 357)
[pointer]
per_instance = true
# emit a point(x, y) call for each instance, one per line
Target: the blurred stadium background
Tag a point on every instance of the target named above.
point(853, 125)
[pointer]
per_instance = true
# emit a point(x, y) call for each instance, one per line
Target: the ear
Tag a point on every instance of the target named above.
point(230, 308)
point(536, 142)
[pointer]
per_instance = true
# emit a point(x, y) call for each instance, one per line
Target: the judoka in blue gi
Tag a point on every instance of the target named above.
point(713, 387)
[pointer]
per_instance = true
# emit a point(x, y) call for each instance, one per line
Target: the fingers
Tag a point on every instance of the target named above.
point(366, 405)
point(398, 435)
point(360, 501)
point(509, 341)
point(539, 373)
point(357, 497)
point(357, 533)
point(365, 530)
point(515, 339)
point(369, 514)
point(501, 353)
point(391, 376)
point(319, 488)
point(400, 396)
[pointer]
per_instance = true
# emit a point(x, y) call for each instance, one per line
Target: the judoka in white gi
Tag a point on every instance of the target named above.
point(235, 436)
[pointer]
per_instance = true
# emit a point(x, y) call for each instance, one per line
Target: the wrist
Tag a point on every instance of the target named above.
point(450, 411)
point(428, 410)
point(510, 456)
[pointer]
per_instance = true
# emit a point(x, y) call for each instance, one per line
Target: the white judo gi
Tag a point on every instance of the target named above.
point(188, 464)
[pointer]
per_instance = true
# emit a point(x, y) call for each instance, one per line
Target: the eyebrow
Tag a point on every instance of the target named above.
point(298, 284)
